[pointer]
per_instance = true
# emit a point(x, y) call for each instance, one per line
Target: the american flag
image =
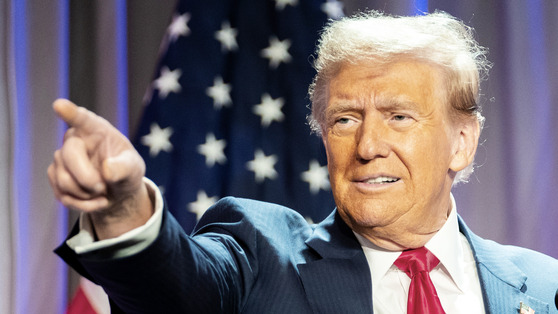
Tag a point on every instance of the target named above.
point(226, 114)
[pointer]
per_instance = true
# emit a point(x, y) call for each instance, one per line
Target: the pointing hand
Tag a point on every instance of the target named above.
point(98, 171)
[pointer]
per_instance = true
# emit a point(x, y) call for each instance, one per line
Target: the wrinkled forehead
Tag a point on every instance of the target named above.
point(401, 82)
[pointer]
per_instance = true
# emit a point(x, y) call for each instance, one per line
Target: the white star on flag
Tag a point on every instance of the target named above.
point(239, 84)
point(179, 26)
point(213, 150)
point(227, 37)
point(281, 4)
point(220, 92)
point(200, 206)
point(277, 52)
point(269, 110)
point(263, 166)
point(168, 82)
point(333, 9)
point(157, 140)
point(316, 176)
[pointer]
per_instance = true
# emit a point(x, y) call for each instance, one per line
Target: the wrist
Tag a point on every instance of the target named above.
point(124, 216)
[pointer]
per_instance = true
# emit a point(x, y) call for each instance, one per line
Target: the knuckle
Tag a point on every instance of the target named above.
point(57, 156)
point(67, 201)
point(71, 143)
point(54, 187)
point(50, 171)
point(65, 182)
point(69, 133)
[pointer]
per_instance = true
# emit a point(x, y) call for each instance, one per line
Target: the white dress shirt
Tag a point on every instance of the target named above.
point(455, 278)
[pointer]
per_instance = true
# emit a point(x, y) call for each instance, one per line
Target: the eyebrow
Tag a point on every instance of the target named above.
point(343, 103)
point(396, 103)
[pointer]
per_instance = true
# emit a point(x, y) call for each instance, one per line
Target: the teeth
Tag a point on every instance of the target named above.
point(382, 180)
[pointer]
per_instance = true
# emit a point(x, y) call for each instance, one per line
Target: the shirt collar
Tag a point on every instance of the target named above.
point(379, 260)
point(445, 245)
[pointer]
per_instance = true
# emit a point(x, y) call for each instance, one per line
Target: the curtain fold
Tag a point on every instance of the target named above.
point(37, 53)
point(6, 230)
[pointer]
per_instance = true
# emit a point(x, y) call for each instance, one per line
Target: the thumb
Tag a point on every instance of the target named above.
point(125, 168)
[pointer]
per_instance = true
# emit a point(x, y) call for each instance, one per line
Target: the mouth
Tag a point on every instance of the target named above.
point(379, 180)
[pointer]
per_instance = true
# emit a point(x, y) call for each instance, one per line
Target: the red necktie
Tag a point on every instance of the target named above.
point(422, 297)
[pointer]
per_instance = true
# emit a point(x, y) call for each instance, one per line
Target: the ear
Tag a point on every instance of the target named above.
point(466, 143)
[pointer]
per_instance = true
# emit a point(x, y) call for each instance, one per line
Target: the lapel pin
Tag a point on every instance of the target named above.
point(524, 309)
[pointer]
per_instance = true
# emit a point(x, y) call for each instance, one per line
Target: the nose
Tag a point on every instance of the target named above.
point(371, 140)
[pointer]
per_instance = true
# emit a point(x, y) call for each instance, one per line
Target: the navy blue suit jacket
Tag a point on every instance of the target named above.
point(253, 257)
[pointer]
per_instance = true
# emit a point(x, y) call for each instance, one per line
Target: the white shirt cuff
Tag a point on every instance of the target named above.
point(126, 244)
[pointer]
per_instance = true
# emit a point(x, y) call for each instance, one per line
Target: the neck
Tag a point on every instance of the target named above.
point(404, 234)
point(398, 242)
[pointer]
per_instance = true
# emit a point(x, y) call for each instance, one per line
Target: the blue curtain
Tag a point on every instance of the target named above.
point(35, 68)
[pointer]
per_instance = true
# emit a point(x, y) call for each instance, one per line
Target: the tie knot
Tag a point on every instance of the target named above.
point(416, 260)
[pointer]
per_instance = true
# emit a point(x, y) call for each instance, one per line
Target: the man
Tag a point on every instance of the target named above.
point(395, 100)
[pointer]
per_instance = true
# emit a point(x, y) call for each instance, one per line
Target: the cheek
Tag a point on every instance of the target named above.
point(338, 160)
point(337, 152)
point(428, 157)
point(334, 166)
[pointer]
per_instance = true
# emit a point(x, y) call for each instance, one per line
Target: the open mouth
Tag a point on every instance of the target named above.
point(382, 180)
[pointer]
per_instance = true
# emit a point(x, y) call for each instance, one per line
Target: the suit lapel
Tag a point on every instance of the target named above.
point(502, 282)
point(339, 280)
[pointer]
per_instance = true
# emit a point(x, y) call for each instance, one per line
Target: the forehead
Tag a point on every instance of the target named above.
point(403, 83)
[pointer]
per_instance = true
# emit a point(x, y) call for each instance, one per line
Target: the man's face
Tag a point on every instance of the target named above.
point(392, 151)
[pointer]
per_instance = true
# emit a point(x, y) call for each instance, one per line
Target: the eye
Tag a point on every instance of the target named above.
point(343, 120)
point(344, 125)
point(399, 117)
point(401, 121)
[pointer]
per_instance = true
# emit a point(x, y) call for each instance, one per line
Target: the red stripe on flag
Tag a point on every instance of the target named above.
point(80, 304)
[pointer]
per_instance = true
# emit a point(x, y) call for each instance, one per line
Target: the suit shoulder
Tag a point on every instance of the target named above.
point(521, 255)
point(535, 262)
point(266, 218)
point(494, 254)
point(540, 269)
point(232, 207)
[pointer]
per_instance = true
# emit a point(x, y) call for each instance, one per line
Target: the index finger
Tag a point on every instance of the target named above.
point(74, 116)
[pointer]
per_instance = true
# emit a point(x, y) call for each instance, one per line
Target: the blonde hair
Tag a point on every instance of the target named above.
point(377, 38)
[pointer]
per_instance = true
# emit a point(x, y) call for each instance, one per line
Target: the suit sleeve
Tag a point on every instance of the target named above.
point(207, 273)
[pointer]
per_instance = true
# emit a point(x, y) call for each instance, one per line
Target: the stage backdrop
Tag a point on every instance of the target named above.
point(104, 55)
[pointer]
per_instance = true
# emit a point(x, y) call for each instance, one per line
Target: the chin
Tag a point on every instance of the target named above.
point(363, 218)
